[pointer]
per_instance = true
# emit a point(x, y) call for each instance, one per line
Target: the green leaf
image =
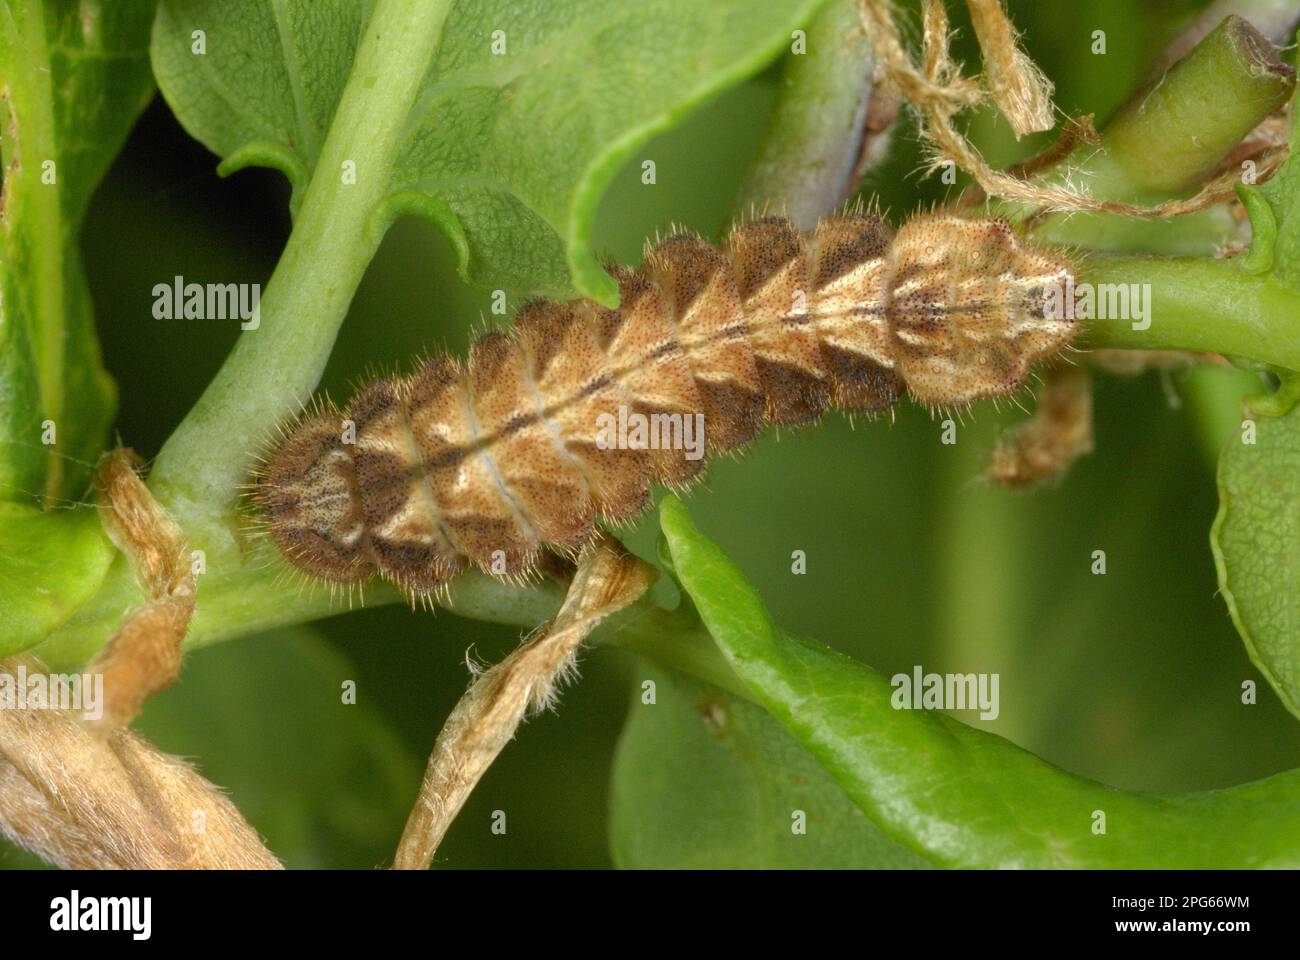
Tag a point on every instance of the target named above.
point(1256, 540)
point(257, 82)
point(74, 78)
point(508, 152)
point(51, 563)
point(1256, 535)
point(961, 796)
point(703, 779)
point(325, 782)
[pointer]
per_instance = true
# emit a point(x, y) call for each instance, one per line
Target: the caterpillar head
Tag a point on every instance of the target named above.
point(971, 308)
point(306, 492)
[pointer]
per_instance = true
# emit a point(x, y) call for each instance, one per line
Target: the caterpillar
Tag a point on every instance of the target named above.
point(492, 461)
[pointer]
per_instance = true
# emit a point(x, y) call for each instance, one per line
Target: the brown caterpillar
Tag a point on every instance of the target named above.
point(492, 461)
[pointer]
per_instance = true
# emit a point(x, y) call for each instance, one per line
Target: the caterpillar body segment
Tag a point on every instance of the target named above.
point(491, 460)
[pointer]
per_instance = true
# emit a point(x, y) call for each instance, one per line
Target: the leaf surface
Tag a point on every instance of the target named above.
point(963, 797)
point(528, 112)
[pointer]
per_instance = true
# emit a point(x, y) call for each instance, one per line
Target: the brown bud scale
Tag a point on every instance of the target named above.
point(493, 460)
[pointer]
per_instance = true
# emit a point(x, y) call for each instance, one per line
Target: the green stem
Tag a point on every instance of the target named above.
point(675, 639)
point(981, 617)
point(275, 366)
point(1201, 306)
point(1165, 142)
point(806, 162)
point(1219, 92)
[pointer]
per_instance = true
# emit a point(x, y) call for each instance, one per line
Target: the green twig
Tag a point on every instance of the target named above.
point(806, 163)
point(1166, 141)
point(1201, 306)
point(675, 639)
point(1163, 143)
point(274, 367)
point(1173, 135)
